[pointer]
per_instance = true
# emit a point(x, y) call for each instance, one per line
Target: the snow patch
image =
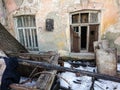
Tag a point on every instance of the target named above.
point(85, 82)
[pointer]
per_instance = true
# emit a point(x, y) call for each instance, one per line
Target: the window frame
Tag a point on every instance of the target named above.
point(34, 45)
point(86, 11)
point(79, 24)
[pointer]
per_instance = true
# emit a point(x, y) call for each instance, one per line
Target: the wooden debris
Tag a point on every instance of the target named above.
point(46, 77)
point(45, 81)
point(8, 43)
point(59, 68)
point(44, 57)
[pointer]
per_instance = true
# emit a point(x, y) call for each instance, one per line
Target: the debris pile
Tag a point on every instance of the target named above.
point(83, 82)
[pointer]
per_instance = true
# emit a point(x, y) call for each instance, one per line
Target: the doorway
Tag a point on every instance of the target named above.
point(84, 30)
point(83, 39)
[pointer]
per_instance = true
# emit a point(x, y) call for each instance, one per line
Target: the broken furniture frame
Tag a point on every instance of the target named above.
point(46, 77)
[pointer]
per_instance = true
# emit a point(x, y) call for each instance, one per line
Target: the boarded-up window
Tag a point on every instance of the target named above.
point(27, 35)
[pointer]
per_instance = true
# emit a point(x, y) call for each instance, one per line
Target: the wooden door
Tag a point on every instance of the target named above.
point(93, 36)
point(75, 39)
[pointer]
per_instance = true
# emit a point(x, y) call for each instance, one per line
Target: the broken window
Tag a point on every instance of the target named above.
point(76, 29)
point(84, 18)
point(27, 34)
point(75, 18)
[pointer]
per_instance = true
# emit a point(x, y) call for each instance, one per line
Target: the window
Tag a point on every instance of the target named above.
point(94, 18)
point(84, 17)
point(85, 25)
point(90, 17)
point(75, 18)
point(26, 29)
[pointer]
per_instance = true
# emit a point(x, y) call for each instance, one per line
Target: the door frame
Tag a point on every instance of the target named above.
point(87, 39)
point(79, 24)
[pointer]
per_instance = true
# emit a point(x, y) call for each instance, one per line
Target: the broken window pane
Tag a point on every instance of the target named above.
point(84, 17)
point(76, 29)
point(75, 18)
point(93, 17)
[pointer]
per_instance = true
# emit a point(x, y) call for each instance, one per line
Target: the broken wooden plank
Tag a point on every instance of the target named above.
point(46, 56)
point(46, 80)
point(8, 42)
point(59, 68)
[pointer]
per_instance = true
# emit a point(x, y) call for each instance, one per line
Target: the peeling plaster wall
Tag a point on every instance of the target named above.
point(2, 12)
point(112, 24)
point(59, 11)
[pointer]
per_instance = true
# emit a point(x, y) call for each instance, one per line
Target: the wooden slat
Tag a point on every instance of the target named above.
point(45, 81)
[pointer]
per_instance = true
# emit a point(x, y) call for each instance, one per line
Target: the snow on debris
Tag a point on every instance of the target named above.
point(31, 83)
point(85, 82)
point(106, 85)
point(118, 67)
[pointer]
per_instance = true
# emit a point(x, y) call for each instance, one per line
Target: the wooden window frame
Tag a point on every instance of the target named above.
point(29, 33)
point(79, 24)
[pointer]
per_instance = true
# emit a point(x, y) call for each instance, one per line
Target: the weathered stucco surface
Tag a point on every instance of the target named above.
point(59, 10)
point(2, 12)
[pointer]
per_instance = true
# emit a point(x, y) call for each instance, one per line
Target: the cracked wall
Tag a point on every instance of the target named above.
point(59, 11)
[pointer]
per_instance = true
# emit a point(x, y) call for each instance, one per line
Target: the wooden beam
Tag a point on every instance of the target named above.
point(8, 43)
point(47, 57)
point(59, 68)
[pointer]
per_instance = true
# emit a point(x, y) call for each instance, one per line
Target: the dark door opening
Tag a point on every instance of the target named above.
point(83, 37)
